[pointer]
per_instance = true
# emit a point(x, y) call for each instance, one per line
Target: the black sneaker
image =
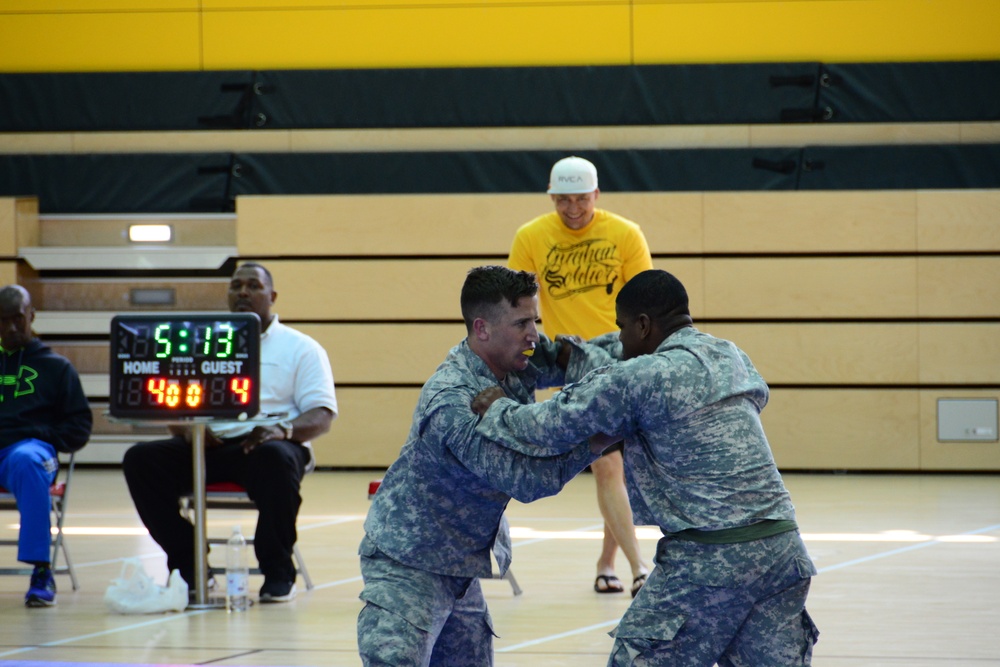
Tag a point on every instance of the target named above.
point(42, 590)
point(277, 591)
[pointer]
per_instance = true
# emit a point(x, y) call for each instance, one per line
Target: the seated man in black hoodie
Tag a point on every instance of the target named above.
point(43, 410)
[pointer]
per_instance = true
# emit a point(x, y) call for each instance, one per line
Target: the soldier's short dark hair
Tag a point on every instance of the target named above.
point(486, 287)
point(654, 292)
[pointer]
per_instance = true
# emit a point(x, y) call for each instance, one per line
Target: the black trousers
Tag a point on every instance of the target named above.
point(159, 472)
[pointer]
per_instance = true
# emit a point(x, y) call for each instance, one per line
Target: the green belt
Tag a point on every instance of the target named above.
point(754, 531)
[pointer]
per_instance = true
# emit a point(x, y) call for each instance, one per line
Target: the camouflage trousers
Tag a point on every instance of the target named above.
point(735, 605)
point(414, 618)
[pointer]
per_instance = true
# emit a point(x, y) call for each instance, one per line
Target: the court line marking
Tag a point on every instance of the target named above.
point(561, 635)
point(506, 649)
point(829, 568)
point(893, 552)
point(105, 633)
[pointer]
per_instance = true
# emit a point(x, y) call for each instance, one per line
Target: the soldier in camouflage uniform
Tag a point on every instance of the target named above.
point(439, 509)
point(732, 573)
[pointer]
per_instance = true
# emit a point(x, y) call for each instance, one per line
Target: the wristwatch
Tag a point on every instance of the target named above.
point(287, 428)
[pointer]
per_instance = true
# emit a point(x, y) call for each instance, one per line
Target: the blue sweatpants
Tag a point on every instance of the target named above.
point(27, 469)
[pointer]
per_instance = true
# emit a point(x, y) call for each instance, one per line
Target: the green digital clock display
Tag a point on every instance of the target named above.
point(175, 366)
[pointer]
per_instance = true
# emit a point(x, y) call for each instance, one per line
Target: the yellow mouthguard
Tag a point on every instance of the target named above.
point(528, 353)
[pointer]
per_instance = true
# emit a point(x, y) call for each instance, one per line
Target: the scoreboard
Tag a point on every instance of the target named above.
point(176, 366)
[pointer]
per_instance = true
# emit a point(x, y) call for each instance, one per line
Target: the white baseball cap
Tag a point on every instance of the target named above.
point(572, 176)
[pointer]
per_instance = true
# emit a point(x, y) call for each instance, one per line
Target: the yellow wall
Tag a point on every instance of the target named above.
point(162, 35)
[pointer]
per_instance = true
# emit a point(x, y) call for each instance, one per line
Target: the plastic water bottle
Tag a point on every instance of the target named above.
point(237, 572)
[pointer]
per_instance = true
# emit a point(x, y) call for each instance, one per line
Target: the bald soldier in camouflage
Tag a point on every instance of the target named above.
point(439, 510)
point(732, 573)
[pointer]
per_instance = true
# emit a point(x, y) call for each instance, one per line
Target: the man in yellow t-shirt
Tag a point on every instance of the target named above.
point(582, 256)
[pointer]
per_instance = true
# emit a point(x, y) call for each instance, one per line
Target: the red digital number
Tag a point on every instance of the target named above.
point(168, 392)
point(193, 395)
point(157, 387)
point(241, 387)
point(173, 394)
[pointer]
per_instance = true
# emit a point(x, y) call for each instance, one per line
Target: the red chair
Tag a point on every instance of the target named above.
point(233, 496)
point(373, 487)
point(59, 495)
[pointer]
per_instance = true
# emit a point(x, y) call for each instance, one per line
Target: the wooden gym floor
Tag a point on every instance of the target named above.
point(909, 577)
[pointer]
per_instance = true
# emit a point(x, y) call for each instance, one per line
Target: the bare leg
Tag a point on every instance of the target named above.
point(612, 498)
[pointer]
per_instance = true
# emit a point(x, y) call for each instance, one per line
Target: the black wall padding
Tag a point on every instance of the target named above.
point(501, 171)
point(166, 183)
point(755, 93)
point(129, 183)
point(900, 167)
point(125, 101)
point(911, 92)
point(533, 96)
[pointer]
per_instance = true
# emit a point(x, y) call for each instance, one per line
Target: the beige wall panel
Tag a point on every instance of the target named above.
point(419, 289)
point(453, 224)
point(747, 222)
point(384, 224)
point(416, 289)
point(827, 353)
point(87, 356)
point(8, 227)
point(8, 272)
point(385, 353)
point(810, 287)
point(574, 139)
point(196, 230)
point(980, 133)
point(523, 138)
point(960, 353)
point(935, 455)
point(182, 142)
point(807, 429)
point(670, 221)
point(958, 286)
point(843, 429)
point(27, 222)
point(18, 224)
point(398, 289)
point(115, 295)
point(370, 430)
point(854, 134)
point(12, 143)
point(958, 220)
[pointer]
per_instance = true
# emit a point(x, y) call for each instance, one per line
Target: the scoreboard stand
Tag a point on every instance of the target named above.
point(187, 369)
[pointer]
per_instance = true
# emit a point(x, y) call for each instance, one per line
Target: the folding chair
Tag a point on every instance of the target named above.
point(59, 496)
point(508, 576)
point(233, 496)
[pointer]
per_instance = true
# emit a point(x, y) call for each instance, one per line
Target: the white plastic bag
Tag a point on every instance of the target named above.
point(135, 592)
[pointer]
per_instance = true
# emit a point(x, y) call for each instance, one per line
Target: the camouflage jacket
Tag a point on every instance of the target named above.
point(696, 456)
point(440, 505)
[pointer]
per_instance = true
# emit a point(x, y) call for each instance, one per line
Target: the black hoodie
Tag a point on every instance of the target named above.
point(41, 397)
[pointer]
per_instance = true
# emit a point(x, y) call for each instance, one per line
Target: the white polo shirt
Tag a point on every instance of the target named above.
point(295, 377)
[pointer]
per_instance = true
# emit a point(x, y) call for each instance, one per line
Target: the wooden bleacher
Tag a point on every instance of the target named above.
point(861, 309)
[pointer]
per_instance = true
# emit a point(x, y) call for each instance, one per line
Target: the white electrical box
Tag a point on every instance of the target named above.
point(967, 419)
